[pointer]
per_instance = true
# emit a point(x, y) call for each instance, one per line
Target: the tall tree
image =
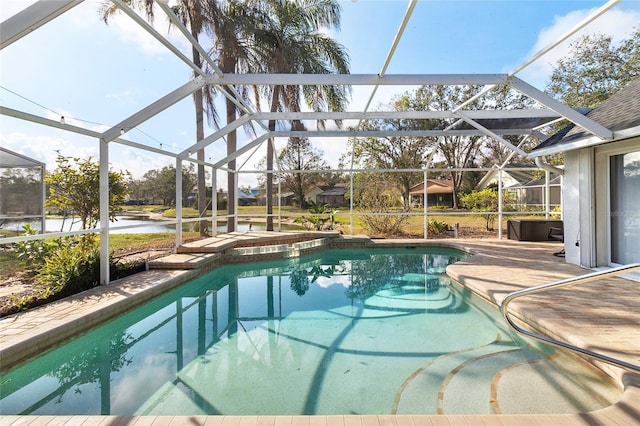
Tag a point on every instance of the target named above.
point(595, 69)
point(394, 152)
point(299, 155)
point(293, 40)
point(233, 24)
point(191, 12)
point(162, 183)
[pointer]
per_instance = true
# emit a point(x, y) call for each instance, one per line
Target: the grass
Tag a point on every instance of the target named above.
point(9, 264)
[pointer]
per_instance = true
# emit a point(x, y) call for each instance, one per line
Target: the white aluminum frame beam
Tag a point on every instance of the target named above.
point(215, 136)
point(547, 48)
point(357, 79)
point(567, 112)
point(414, 115)
point(394, 45)
point(399, 133)
point(154, 108)
point(152, 31)
point(228, 91)
point(492, 134)
point(9, 112)
point(32, 18)
point(260, 139)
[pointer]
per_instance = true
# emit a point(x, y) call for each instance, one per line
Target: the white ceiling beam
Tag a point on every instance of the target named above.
point(9, 112)
point(155, 34)
point(411, 115)
point(31, 18)
point(557, 106)
point(358, 79)
point(493, 134)
point(392, 133)
point(394, 45)
point(260, 139)
point(602, 9)
point(513, 152)
point(187, 34)
point(546, 49)
point(228, 91)
point(153, 109)
point(215, 136)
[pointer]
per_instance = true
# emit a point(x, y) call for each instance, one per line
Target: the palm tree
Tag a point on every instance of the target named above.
point(191, 13)
point(291, 40)
point(231, 23)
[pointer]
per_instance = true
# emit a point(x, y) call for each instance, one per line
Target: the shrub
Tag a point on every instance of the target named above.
point(33, 253)
point(486, 201)
point(73, 267)
point(437, 227)
point(379, 209)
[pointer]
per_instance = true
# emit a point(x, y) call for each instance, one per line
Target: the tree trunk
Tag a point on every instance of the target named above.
point(269, 189)
point(231, 183)
point(202, 191)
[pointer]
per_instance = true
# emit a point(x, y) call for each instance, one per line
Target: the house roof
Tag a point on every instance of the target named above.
point(434, 186)
point(554, 179)
point(336, 190)
point(619, 113)
point(506, 123)
point(519, 175)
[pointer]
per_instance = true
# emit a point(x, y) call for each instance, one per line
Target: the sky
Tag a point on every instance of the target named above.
point(96, 75)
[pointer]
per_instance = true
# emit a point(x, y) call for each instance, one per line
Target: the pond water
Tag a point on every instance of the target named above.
point(138, 225)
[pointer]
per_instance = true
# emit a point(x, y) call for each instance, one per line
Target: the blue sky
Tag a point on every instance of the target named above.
point(79, 67)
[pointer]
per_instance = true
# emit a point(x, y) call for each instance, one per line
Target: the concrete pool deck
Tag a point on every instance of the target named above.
point(603, 316)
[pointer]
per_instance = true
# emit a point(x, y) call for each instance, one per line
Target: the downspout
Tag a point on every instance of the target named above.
point(548, 167)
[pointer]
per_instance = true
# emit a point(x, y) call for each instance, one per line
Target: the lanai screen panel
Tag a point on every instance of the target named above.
point(21, 190)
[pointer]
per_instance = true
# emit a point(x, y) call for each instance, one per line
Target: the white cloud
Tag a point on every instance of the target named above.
point(122, 96)
point(43, 148)
point(130, 32)
point(617, 23)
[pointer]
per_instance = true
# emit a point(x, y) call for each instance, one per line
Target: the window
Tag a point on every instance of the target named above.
point(625, 207)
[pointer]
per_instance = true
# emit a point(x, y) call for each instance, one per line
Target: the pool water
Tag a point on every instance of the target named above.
point(342, 332)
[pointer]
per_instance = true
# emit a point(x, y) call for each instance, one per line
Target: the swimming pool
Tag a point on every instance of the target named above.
point(340, 332)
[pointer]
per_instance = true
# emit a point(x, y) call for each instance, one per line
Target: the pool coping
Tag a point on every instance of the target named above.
point(63, 319)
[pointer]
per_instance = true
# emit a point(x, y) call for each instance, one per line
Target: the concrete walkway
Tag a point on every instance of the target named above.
point(603, 316)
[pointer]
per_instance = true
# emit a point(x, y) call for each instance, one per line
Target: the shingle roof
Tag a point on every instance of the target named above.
point(340, 190)
point(620, 112)
point(434, 186)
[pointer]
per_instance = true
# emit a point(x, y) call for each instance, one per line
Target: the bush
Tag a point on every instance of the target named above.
point(73, 267)
point(377, 211)
point(33, 253)
point(486, 201)
point(437, 227)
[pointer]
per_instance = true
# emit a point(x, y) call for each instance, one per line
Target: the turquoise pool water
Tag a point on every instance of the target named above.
point(342, 332)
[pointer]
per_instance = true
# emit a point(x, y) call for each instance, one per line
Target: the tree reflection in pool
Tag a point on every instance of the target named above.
point(341, 332)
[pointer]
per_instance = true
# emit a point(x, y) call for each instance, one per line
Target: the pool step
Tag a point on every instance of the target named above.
point(469, 388)
point(422, 391)
point(232, 240)
point(184, 261)
point(244, 246)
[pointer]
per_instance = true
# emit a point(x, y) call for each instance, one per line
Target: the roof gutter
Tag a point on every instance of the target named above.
point(546, 166)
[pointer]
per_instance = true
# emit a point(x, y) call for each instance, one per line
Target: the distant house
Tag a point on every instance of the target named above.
point(246, 199)
point(601, 183)
point(528, 191)
point(509, 178)
point(439, 193)
point(314, 191)
point(333, 197)
point(286, 199)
